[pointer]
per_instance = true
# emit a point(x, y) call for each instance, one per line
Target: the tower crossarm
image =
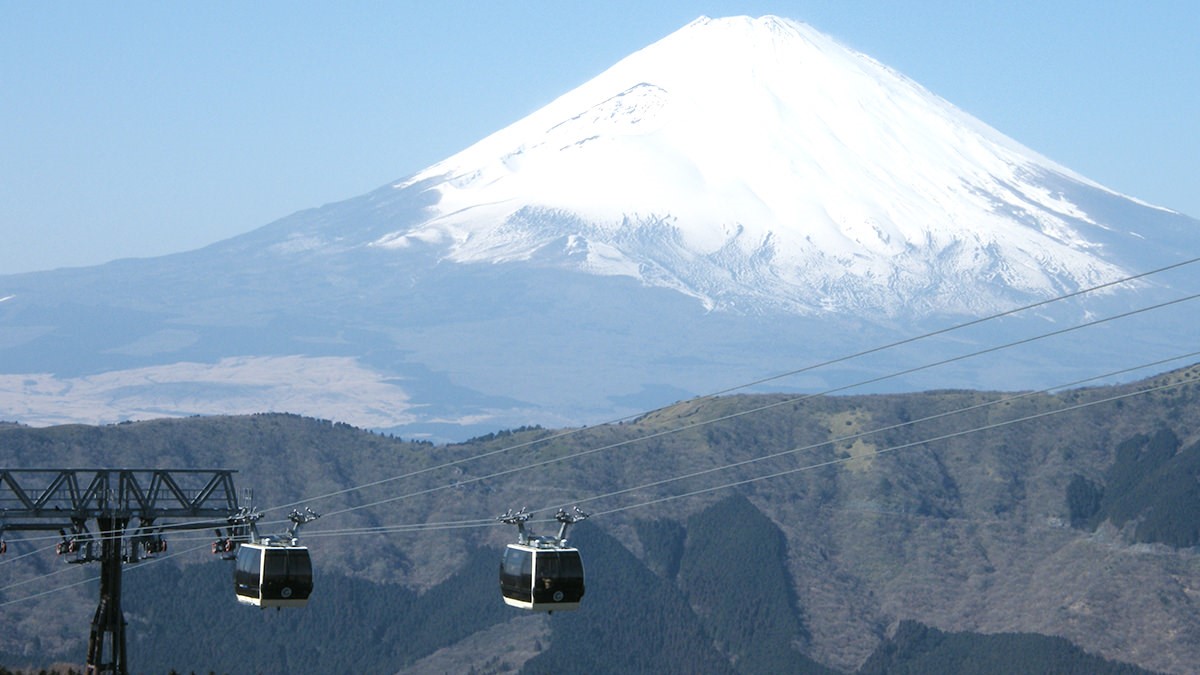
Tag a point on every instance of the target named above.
point(84, 494)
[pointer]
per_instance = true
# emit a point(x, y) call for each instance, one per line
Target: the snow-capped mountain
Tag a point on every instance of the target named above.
point(742, 198)
point(757, 162)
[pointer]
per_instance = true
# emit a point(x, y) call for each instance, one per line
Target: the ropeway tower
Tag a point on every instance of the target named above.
point(115, 516)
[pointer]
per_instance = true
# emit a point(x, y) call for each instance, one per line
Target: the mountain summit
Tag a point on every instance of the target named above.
point(757, 162)
point(742, 198)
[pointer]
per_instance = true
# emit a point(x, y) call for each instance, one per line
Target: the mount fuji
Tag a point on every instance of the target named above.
point(743, 198)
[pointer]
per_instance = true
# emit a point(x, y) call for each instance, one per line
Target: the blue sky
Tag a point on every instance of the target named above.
point(135, 129)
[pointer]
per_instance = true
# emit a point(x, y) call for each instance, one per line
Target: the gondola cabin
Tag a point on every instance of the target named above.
point(541, 577)
point(272, 575)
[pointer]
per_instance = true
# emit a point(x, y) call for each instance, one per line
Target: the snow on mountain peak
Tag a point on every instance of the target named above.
point(757, 158)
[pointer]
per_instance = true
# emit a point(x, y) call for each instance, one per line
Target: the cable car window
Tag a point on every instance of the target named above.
point(565, 566)
point(570, 567)
point(548, 566)
point(516, 573)
point(518, 565)
point(245, 575)
point(559, 577)
point(299, 567)
point(276, 566)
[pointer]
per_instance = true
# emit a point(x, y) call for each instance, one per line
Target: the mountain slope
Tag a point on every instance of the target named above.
point(743, 198)
point(836, 539)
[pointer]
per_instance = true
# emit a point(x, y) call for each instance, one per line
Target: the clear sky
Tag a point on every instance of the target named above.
point(135, 128)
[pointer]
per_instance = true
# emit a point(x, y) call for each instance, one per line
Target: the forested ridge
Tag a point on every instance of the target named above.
point(1069, 540)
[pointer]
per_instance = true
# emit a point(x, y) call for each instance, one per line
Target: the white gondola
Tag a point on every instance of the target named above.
point(273, 575)
point(537, 578)
point(542, 573)
point(270, 571)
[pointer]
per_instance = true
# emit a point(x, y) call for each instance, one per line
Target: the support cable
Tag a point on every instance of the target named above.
point(764, 380)
point(742, 413)
point(902, 446)
point(840, 439)
point(879, 430)
point(817, 465)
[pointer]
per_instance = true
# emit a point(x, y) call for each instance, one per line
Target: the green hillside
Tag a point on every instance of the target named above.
point(1068, 538)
